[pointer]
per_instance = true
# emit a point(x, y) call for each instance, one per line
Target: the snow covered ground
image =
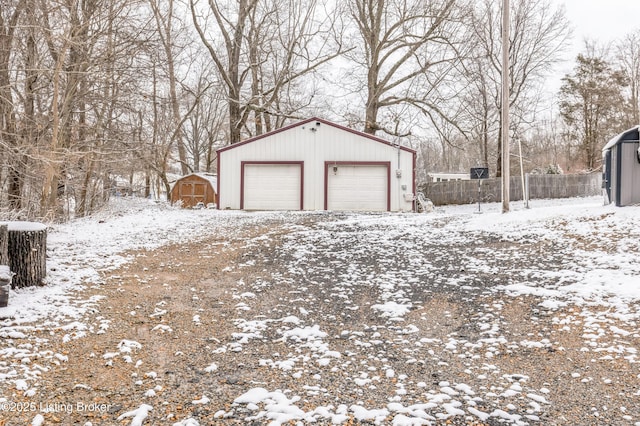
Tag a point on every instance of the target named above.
point(593, 251)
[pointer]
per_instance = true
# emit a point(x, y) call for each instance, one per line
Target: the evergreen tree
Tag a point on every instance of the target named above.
point(592, 105)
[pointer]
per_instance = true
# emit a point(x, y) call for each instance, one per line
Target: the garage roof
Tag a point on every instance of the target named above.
point(314, 120)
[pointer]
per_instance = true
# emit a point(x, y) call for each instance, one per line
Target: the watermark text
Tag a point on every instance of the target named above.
point(53, 407)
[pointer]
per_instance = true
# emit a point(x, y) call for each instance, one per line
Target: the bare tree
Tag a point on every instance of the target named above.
point(110, 92)
point(73, 85)
point(538, 36)
point(69, 68)
point(9, 140)
point(165, 22)
point(628, 55)
point(76, 108)
point(405, 49)
point(228, 59)
point(544, 149)
point(205, 126)
point(90, 46)
point(268, 46)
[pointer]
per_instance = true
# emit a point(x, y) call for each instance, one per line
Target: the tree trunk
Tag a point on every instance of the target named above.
point(371, 116)
point(499, 159)
point(235, 118)
point(8, 121)
point(27, 244)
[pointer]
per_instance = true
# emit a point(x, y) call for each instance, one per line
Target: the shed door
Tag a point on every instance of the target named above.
point(192, 192)
point(357, 187)
point(272, 187)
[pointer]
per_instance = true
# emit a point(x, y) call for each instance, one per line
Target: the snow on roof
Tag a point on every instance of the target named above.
point(211, 177)
point(614, 140)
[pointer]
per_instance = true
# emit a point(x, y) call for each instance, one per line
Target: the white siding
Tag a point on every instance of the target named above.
point(315, 148)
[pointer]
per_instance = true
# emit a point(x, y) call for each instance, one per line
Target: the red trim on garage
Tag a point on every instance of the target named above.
point(413, 205)
point(387, 164)
point(218, 182)
point(268, 163)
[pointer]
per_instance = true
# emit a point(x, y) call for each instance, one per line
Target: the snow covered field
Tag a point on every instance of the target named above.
point(376, 278)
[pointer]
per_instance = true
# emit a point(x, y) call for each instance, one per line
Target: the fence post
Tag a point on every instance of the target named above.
point(526, 190)
point(4, 244)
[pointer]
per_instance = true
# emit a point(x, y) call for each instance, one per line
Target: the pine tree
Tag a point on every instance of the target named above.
point(592, 105)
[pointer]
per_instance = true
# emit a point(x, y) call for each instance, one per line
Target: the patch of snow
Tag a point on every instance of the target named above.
point(138, 416)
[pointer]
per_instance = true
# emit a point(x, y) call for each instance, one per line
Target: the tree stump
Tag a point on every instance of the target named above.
point(4, 244)
point(27, 250)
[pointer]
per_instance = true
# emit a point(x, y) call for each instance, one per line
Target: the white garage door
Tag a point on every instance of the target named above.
point(272, 186)
point(357, 187)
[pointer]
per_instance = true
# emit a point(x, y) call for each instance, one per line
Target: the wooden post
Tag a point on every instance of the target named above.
point(506, 156)
point(27, 250)
point(5, 285)
point(4, 244)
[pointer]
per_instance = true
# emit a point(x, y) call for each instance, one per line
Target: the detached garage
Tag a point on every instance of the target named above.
point(316, 165)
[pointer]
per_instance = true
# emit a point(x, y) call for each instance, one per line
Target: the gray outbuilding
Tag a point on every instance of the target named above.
point(621, 168)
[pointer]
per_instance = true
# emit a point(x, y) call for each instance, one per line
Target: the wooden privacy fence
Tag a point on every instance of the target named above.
point(540, 186)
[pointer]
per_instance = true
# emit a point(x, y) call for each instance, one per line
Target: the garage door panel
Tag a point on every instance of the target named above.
point(357, 187)
point(272, 186)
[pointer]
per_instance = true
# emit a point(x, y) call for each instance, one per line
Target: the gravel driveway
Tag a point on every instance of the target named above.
point(345, 319)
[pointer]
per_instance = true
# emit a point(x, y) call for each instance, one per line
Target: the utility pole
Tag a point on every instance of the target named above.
point(505, 106)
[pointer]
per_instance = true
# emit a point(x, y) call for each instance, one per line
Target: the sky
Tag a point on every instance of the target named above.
point(600, 20)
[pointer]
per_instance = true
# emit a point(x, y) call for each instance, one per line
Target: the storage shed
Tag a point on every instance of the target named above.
point(195, 188)
point(621, 168)
point(316, 165)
